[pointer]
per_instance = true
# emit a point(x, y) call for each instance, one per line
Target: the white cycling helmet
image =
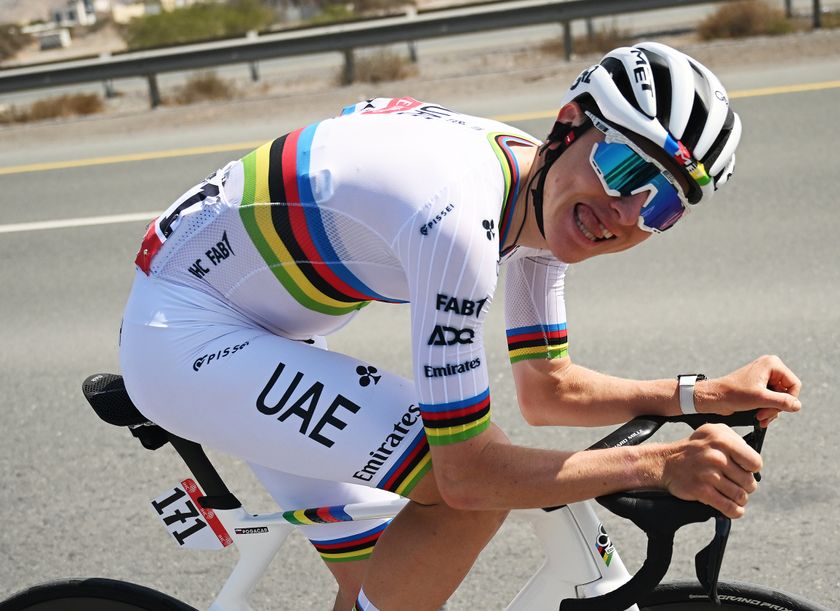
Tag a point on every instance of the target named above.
point(657, 93)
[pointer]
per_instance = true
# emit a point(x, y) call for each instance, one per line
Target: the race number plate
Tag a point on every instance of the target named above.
point(190, 524)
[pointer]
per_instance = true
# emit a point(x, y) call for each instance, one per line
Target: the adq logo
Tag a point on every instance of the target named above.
point(448, 336)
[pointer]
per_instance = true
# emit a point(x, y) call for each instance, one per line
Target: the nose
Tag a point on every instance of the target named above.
point(628, 209)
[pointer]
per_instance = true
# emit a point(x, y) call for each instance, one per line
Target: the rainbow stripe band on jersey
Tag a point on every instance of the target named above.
point(537, 342)
point(409, 468)
point(447, 423)
point(282, 218)
point(354, 547)
point(502, 146)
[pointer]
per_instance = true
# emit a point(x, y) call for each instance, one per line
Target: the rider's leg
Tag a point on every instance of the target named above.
point(202, 371)
point(349, 576)
point(344, 547)
point(427, 549)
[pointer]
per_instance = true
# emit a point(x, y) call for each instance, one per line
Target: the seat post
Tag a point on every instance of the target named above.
point(217, 495)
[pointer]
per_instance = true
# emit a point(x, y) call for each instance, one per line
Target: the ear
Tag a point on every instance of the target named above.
point(571, 114)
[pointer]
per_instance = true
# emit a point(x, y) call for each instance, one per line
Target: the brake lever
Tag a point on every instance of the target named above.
point(755, 440)
point(708, 561)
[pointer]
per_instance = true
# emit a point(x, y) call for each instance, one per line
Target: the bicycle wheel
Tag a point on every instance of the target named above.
point(689, 596)
point(94, 594)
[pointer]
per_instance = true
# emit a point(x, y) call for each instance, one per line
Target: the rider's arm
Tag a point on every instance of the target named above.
point(451, 265)
point(713, 466)
point(558, 391)
point(552, 390)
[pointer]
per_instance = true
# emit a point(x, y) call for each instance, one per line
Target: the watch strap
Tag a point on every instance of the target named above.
point(686, 384)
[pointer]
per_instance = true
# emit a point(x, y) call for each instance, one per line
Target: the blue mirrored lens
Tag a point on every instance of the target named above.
point(665, 208)
point(624, 171)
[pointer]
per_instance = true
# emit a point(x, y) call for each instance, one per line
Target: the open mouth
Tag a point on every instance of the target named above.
point(589, 225)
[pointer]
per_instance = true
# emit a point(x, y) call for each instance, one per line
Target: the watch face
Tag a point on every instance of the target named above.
point(697, 376)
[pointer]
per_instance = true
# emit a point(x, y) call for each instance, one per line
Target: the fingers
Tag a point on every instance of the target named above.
point(781, 384)
point(766, 415)
point(739, 455)
point(765, 383)
point(716, 467)
point(782, 379)
point(727, 496)
point(724, 504)
point(733, 480)
point(781, 401)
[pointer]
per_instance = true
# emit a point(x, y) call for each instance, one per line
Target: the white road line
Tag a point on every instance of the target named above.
point(82, 222)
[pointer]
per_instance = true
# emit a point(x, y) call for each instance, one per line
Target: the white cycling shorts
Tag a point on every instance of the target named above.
point(319, 428)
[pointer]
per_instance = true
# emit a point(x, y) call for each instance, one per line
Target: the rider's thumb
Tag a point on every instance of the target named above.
point(781, 401)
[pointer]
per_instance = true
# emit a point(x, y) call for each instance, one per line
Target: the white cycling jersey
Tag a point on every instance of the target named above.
point(395, 200)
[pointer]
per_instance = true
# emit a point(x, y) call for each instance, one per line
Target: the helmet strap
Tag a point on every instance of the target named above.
point(562, 135)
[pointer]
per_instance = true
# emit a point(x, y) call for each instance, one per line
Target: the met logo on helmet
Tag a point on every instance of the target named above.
point(641, 73)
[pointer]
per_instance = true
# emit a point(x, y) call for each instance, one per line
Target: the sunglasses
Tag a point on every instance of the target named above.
point(624, 170)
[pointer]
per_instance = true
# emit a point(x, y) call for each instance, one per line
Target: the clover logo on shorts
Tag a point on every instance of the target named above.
point(367, 374)
point(489, 225)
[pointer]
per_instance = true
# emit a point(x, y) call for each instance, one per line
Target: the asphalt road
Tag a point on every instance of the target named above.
point(757, 271)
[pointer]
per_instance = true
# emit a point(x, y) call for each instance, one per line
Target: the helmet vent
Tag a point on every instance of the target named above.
point(696, 122)
point(662, 77)
point(717, 146)
point(621, 80)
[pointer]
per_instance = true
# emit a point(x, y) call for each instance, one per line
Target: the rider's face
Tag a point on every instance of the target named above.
point(581, 219)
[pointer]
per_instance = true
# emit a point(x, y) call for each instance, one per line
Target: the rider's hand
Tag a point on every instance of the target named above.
point(766, 383)
point(714, 466)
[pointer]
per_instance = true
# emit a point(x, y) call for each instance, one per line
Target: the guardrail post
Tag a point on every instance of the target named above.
point(817, 14)
point(349, 74)
point(567, 40)
point(110, 92)
point(255, 69)
point(411, 13)
point(154, 92)
point(788, 8)
point(590, 29)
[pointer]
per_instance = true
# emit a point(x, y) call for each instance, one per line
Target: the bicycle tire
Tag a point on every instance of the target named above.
point(92, 594)
point(689, 596)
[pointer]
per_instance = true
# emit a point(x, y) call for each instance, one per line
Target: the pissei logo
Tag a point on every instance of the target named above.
point(215, 356)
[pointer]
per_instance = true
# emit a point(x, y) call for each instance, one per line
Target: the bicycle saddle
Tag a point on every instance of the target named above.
point(108, 397)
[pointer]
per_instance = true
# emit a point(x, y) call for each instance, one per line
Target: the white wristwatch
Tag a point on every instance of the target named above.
point(686, 386)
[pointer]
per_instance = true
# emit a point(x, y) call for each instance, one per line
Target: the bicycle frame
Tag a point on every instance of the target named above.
point(580, 560)
point(581, 572)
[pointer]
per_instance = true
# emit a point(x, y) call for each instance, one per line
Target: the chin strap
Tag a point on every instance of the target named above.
point(562, 135)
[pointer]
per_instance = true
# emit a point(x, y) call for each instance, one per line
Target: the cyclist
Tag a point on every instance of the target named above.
point(398, 200)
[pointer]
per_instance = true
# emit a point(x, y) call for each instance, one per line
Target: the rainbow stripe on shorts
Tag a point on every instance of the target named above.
point(354, 547)
point(409, 468)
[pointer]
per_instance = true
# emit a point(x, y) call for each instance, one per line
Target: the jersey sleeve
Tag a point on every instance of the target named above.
point(450, 252)
point(535, 310)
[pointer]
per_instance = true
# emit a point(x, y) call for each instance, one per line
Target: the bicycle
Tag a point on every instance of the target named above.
point(582, 570)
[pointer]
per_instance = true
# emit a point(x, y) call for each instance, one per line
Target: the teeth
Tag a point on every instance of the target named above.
point(605, 233)
point(584, 230)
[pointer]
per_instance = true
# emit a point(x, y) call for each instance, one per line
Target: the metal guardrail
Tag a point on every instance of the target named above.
point(343, 37)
